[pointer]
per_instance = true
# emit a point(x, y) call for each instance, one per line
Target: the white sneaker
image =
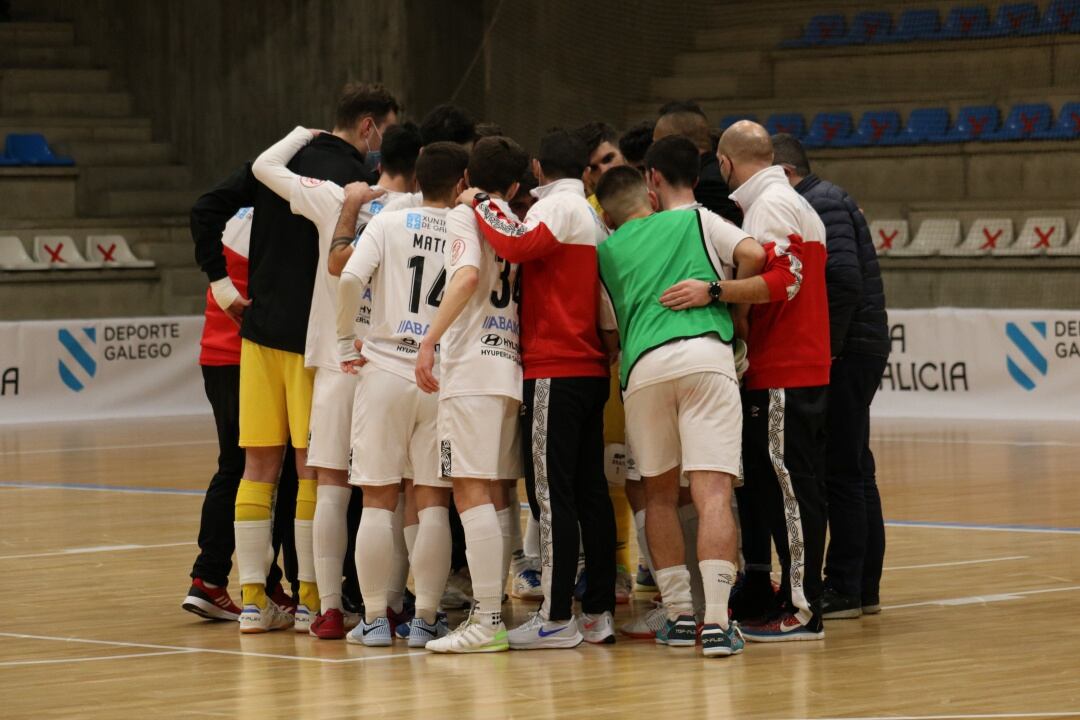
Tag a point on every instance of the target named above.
point(526, 585)
point(472, 636)
point(254, 620)
point(644, 627)
point(597, 629)
point(539, 634)
point(303, 619)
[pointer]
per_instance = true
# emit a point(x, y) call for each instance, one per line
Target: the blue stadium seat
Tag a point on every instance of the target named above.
point(1067, 126)
point(875, 128)
point(1017, 19)
point(972, 21)
point(820, 30)
point(729, 120)
point(916, 25)
point(1024, 121)
point(924, 125)
point(1062, 16)
point(869, 27)
point(790, 123)
point(828, 130)
point(975, 122)
point(6, 161)
point(31, 149)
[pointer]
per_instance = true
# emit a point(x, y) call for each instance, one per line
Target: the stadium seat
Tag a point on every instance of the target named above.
point(31, 149)
point(791, 123)
point(924, 125)
point(1039, 235)
point(113, 251)
point(984, 236)
point(1067, 126)
point(828, 130)
point(1024, 121)
point(6, 161)
point(821, 30)
point(869, 27)
point(13, 255)
point(1015, 19)
point(1070, 248)
point(975, 122)
point(729, 120)
point(1062, 16)
point(875, 128)
point(889, 235)
point(934, 235)
point(972, 21)
point(60, 253)
point(916, 25)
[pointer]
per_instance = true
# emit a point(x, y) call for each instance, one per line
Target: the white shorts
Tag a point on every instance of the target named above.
point(480, 437)
point(393, 431)
point(694, 421)
point(330, 420)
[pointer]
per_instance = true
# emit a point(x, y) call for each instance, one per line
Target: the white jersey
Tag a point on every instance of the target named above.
point(405, 201)
point(480, 351)
point(400, 257)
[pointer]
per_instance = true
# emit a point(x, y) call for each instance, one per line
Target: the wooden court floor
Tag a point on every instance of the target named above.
point(982, 580)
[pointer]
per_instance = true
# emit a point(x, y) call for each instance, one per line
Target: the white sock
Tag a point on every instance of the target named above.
point(674, 584)
point(410, 538)
point(642, 539)
point(254, 550)
point(374, 559)
point(399, 574)
point(330, 541)
point(483, 550)
point(305, 550)
point(688, 521)
point(431, 560)
point(506, 529)
point(719, 576)
point(531, 540)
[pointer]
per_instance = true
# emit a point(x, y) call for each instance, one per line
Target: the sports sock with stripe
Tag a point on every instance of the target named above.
point(253, 548)
point(718, 577)
point(431, 560)
point(399, 574)
point(330, 542)
point(306, 498)
point(483, 550)
point(674, 584)
point(374, 559)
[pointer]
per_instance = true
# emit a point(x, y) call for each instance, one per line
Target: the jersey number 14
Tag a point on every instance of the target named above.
point(434, 296)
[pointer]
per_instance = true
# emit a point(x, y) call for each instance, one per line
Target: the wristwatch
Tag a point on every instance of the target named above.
point(479, 198)
point(715, 290)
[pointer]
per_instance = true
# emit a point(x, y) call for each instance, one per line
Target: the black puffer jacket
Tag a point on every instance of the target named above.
point(857, 318)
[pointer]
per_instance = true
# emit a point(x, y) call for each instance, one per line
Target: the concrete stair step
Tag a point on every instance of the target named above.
point(187, 282)
point(77, 104)
point(702, 87)
point(166, 254)
point(113, 153)
point(36, 34)
point(98, 178)
point(743, 36)
point(67, 80)
point(721, 62)
point(143, 202)
point(61, 129)
point(22, 56)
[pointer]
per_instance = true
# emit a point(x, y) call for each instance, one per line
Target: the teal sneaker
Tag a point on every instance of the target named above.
point(718, 642)
point(681, 632)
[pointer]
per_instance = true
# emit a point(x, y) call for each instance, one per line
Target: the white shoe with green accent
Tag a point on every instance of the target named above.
point(472, 636)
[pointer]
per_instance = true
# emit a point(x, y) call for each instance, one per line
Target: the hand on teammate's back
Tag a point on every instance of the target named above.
point(686, 294)
point(235, 311)
point(467, 196)
point(358, 193)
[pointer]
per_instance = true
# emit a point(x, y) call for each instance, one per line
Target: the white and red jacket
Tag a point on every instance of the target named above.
point(221, 336)
point(560, 282)
point(789, 336)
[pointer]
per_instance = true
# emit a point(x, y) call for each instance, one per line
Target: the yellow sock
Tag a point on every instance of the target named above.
point(306, 495)
point(624, 523)
point(252, 505)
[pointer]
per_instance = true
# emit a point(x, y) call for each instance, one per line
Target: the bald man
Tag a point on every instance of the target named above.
point(688, 119)
point(785, 390)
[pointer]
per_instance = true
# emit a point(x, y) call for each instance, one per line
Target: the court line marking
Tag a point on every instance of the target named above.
point(186, 649)
point(987, 527)
point(95, 549)
point(1013, 443)
point(91, 487)
point(56, 661)
point(93, 448)
point(963, 716)
point(949, 564)
point(976, 599)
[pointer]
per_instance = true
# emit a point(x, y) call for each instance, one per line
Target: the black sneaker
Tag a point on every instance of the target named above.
point(835, 606)
point(754, 599)
point(871, 604)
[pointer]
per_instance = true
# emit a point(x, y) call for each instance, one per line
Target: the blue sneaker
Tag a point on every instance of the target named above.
point(526, 586)
point(377, 634)
point(718, 642)
point(421, 632)
point(644, 581)
point(680, 632)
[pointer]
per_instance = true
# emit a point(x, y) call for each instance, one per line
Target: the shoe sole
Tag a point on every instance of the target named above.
point(568, 644)
point(606, 640)
point(790, 637)
point(871, 609)
point(720, 652)
point(349, 639)
point(209, 611)
point(676, 643)
point(843, 614)
point(474, 651)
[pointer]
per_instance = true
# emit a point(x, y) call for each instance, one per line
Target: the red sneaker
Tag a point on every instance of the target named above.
point(329, 625)
point(210, 603)
point(283, 600)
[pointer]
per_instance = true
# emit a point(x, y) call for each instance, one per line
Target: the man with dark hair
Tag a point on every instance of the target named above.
point(449, 123)
point(601, 141)
point(275, 376)
point(635, 141)
point(523, 199)
point(687, 118)
point(859, 333)
point(566, 385)
point(394, 438)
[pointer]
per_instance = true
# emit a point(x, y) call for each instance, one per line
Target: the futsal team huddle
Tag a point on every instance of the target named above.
point(428, 315)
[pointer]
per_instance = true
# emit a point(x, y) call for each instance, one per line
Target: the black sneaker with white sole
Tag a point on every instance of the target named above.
point(835, 606)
